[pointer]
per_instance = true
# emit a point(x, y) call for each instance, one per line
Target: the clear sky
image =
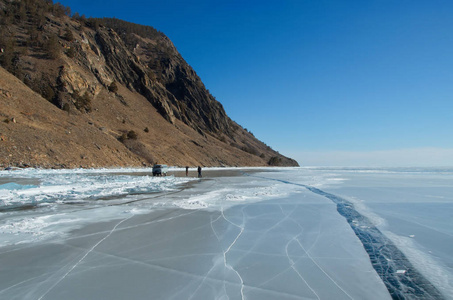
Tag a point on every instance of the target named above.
point(327, 82)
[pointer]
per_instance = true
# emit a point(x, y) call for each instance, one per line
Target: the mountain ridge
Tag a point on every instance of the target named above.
point(126, 81)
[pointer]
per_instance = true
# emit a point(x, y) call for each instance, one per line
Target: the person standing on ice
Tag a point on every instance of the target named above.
point(187, 171)
point(199, 172)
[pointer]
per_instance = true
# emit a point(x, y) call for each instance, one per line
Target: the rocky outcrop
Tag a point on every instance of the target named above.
point(125, 69)
point(175, 89)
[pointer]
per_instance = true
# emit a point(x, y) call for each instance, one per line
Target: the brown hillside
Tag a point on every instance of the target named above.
point(99, 93)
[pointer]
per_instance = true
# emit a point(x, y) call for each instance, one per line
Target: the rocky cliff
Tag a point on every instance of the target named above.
point(104, 92)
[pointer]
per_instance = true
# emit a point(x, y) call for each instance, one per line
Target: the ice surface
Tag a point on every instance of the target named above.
point(117, 234)
point(412, 207)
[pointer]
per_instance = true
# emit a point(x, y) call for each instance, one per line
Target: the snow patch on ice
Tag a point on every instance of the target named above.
point(30, 229)
point(191, 204)
point(20, 230)
point(228, 196)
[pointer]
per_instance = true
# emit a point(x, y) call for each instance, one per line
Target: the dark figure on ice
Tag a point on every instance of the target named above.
point(187, 171)
point(199, 172)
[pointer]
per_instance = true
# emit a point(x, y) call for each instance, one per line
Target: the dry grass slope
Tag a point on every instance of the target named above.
point(34, 132)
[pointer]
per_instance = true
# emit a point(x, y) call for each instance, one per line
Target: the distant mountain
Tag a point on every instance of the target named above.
point(106, 92)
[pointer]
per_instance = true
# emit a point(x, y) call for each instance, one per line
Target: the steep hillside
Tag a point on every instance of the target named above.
point(105, 92)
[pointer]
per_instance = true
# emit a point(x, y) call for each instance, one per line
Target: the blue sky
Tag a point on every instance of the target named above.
point(325, 82)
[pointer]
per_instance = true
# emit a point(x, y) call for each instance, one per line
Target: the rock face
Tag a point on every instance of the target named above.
point(128, 81)
point(174, 88)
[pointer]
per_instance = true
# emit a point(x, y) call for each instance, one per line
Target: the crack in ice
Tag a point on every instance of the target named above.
point(320, 268)
point(83, 257)
point(293, 266)
point(386, 259)
point(228, 266)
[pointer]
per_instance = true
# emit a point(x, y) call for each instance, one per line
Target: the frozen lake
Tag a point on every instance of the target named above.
point(297, 233)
